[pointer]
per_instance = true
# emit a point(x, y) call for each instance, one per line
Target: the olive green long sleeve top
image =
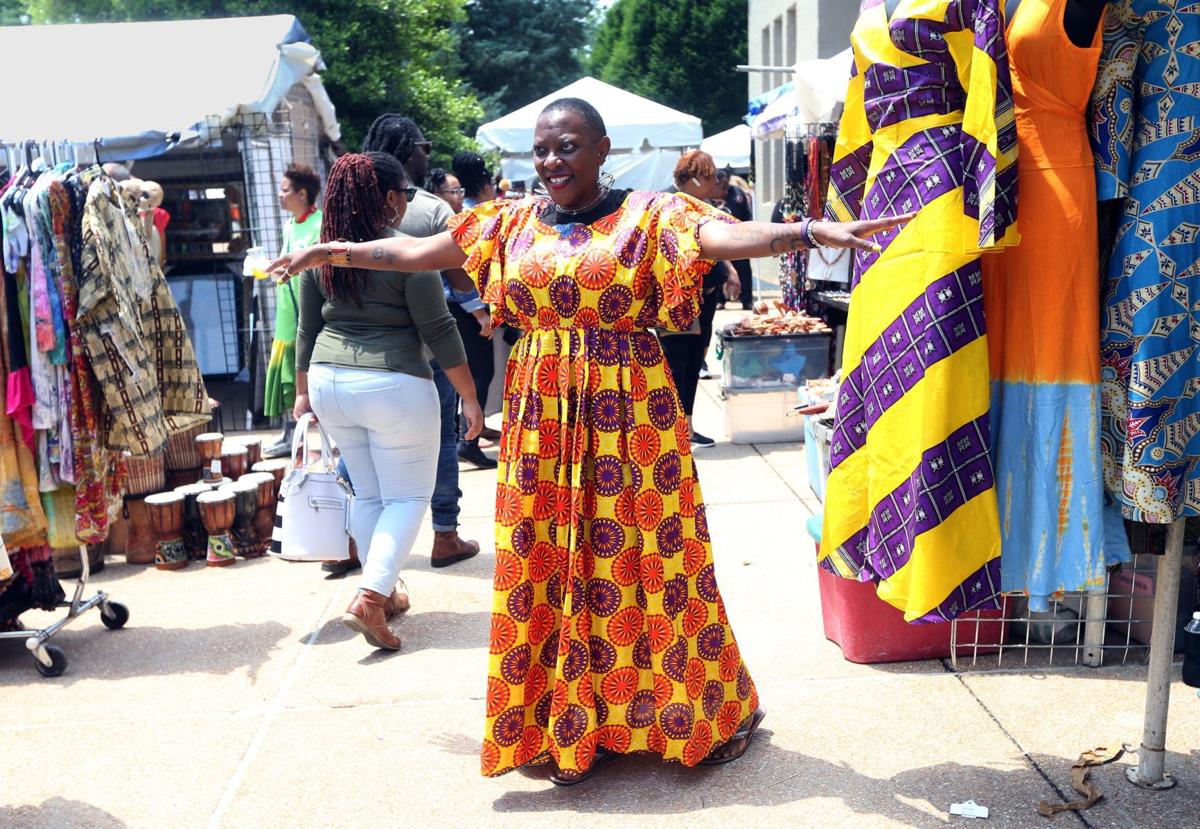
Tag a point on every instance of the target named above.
point(398, 312)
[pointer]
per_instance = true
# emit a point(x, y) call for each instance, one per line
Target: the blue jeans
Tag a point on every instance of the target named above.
point(383, 424)
point(446, 494)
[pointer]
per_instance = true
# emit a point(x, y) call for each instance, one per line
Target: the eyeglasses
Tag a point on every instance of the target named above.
point(453, 191)
point(427, 146)
point(410, 193)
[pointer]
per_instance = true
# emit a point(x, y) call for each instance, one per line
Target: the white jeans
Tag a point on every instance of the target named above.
point(386, 425)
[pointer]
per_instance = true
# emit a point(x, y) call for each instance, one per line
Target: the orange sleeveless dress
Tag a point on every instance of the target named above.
point(1042, 302)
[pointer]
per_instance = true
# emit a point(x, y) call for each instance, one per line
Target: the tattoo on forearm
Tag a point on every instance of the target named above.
point(786, 243)
point(380, 253)
point(781, 241)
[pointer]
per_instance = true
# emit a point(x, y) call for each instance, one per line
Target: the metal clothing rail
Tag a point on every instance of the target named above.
point(50, 659)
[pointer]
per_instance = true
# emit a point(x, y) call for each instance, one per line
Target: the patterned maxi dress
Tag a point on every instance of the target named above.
point(1146, 136)
point(928, 127)
point(1042, 299)
point(608, 629)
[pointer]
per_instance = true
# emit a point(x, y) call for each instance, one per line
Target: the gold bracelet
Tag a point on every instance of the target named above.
point(339, 254)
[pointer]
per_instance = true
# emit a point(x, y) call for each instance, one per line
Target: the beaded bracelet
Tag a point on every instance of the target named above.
point(339, 254)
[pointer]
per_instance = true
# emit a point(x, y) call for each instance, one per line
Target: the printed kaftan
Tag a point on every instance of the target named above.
point(608, 629)
point(1146, 136)
point(928, 127)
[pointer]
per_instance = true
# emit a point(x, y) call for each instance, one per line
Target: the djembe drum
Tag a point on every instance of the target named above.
point(253, 453)
point(234, 461)
point(217, 511)
point(183, 459)
point(146, 474)
point(245, 497)
point(195, 538)
point(209, 446)
point(140, 543)
point(166, 519)
point(277, 469)
point(264, 516)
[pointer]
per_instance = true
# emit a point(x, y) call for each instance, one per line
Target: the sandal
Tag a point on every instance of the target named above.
point(745, 733)
point(578, 777)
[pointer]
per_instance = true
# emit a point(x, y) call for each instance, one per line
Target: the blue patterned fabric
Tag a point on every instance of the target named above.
point(1146, 135)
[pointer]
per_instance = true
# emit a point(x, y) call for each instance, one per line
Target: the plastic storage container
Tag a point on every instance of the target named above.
point(781, 362)
point(763, 416)
point(1191, 652)
point(817, 438)
point(870, 631)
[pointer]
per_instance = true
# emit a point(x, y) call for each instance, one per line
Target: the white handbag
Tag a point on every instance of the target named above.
point(312, 520)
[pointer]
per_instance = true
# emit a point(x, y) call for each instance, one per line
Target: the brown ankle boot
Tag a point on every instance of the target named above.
point(398, 602)
point(367, 614)
point(449, 549)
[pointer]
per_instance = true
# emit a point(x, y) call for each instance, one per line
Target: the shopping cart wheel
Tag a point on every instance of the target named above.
point(58, 661)
point(114, 615)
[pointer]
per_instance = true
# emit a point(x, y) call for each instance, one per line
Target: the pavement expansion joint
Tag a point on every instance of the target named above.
point(274, 709)
point(1033, 763)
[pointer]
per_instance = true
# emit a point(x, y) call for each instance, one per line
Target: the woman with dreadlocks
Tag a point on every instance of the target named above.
point(608, 633)
point(360, 368)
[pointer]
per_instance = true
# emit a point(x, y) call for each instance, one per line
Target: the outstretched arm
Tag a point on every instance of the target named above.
point(397, 253)
point(754, 240)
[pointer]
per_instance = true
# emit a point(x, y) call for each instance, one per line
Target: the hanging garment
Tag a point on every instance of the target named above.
point(1041, 300)
point(133, 332)
point(608, 630)
point(110, 319)
point(22, 521)
point(928, 127)
point(1146, 136)
point(181, 389)
point(98, 471)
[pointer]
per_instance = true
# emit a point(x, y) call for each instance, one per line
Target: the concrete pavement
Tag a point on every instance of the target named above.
point(235, 698)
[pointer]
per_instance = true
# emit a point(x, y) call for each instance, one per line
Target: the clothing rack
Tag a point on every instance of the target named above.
point(76, 408)
point(51, 660)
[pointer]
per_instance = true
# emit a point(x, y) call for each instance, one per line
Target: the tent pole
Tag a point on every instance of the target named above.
point(1150, 772)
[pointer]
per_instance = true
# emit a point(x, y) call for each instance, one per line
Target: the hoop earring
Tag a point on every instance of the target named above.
point(392, 219)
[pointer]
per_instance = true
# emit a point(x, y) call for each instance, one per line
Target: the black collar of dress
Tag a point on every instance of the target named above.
point(611, 204)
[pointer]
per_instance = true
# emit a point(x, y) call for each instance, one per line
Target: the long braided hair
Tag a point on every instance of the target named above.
point(356, 211)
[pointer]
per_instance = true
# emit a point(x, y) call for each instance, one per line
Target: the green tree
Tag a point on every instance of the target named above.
point(382, 55)
point(516, 51)
point(11, 11)
point(679, 53)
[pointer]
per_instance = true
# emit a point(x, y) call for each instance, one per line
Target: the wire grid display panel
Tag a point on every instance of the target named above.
point(268, 143)
point(1095, 628)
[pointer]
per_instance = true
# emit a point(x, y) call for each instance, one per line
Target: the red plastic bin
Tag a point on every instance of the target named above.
point(870, 631)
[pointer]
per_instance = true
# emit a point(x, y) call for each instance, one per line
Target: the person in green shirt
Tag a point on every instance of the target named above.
point(297, 196)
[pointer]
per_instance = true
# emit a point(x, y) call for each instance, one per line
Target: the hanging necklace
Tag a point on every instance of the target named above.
point(829, 263)
point(605, 184)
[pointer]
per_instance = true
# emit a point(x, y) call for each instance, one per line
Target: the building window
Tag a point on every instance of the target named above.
point(791, 36)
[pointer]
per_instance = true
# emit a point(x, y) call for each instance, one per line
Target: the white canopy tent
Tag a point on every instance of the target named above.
point(646, 136)
point(157, 83)
point(730, 148)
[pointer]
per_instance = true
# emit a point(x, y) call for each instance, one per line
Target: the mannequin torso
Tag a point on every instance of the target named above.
point(1081, 18)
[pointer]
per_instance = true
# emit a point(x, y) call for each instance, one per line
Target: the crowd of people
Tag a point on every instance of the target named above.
point(608, 633)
